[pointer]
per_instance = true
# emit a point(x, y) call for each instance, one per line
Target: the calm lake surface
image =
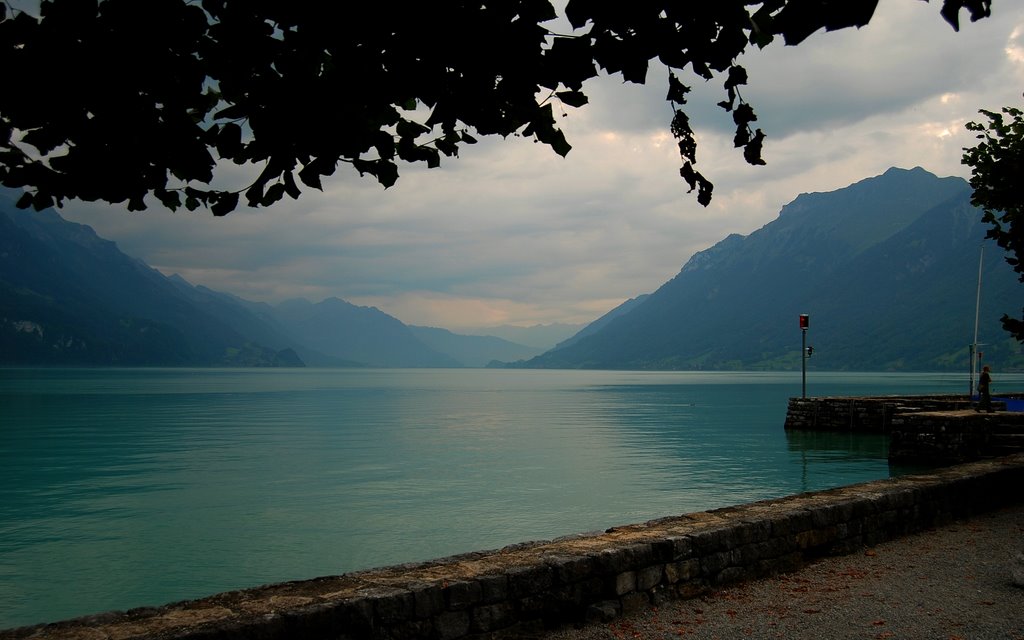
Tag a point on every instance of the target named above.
point(128, 487)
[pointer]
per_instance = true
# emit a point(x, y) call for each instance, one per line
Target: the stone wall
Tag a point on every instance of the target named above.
point(864, 414)
point(512, 591)
point(951, 437)
point(935, 430)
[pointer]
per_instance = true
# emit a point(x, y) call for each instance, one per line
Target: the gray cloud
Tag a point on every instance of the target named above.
point(511, 233)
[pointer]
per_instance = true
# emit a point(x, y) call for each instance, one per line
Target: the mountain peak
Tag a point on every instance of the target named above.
point(918, 170)
point(877, 264)
point(706, 259)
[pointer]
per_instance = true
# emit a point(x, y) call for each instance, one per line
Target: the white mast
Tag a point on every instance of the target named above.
point(977, 308)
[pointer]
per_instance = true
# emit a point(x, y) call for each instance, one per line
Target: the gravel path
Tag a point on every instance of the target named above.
point(949, 583)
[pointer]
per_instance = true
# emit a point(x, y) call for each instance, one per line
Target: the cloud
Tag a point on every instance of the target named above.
point(511, 233)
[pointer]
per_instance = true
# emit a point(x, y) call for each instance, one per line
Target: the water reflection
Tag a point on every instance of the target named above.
point(832, 444)
point(716, 443)
point(155, 485)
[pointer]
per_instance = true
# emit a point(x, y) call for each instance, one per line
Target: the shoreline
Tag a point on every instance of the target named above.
point(524, 589)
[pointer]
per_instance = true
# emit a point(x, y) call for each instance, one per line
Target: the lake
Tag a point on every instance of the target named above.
point(129, 487)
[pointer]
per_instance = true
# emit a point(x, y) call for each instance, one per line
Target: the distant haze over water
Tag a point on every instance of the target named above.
point(128, 487)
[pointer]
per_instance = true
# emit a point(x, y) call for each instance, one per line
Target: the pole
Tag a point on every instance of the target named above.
point(803, 362)
point(977, 309)
point(970, 389)
point(805, 323)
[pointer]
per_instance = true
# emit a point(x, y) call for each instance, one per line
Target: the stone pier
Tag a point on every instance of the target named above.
point(864, 414)
point(935, 429)
point(950, 437)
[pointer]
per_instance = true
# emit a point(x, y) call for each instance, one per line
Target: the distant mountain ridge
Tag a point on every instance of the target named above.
point(603, 321)
point(362, 334)
point(539, 336)
point(885, 267)
point(69, 297)
point(473, 351)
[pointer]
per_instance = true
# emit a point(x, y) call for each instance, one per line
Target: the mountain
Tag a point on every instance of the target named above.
point(340, 329)
point(603, 321)
point(538, 336)
point(69, 297)
point(473, 351)
point(887, 269)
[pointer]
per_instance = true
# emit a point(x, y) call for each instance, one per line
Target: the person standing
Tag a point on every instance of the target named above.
point(985, 390)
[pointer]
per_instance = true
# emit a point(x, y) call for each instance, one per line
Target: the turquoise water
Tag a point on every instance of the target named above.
point(129, 487)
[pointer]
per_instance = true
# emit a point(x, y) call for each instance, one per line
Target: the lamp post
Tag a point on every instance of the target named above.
point(805, 323)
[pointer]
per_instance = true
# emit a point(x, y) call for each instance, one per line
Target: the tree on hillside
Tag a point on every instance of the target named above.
point(997, 167)
point(120, 99)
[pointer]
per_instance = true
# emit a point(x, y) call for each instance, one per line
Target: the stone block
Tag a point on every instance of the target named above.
point(661, 594)
point(806, 539)
point(790, 523)
point(662, 551)
point(493, 588)
point(863, 505)
point(315, 620)
point(487, 618)
point(570, 569)
point(641, 554)
point(580, 593)
point(536, 607)
point(712, 563)
point(773, 548)
point(904, 498)
point(428, 599)
point(753, 531)
point(529, 579)
point(846, 545)
point(625, 582)
point(782, 564)
point(612, 560)
point(567, 596)
point(451, 624)
point(392, 605)
point(682, 547)
point(604, 611)
point(682, 570)
point(406, 629)
point(730, 575)
point(649, 577)
point(355, 617)
point(634, 602)
point(462, 594)
point(828, 515)
point(689, 590)
point(708, 541)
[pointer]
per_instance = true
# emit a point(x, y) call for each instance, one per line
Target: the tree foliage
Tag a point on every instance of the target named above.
point(118, 100)
point(997, 167)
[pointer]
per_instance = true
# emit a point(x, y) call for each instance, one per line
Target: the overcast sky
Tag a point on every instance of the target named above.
point(511, 233)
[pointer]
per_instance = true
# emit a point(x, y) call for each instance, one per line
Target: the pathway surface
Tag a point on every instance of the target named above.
point(955, 582)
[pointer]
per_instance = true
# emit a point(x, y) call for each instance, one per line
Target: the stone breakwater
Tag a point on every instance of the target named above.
point(523, 588)
point(950, 437)
point(941, 429)
point(864, 414)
